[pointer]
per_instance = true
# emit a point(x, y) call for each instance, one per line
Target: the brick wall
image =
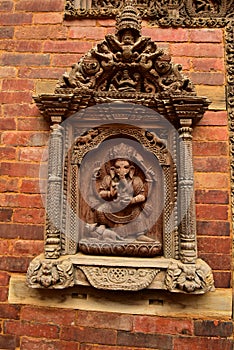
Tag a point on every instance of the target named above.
point(37, 45)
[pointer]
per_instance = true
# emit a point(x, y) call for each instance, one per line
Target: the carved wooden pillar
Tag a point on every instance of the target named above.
point(188, 245)
point(54, 192)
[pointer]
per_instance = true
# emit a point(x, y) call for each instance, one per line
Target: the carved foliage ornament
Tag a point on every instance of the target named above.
point(162, 12)
point(127, 63)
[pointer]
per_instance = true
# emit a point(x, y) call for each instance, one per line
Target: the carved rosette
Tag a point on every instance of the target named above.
point(119, 278)
point(45, 273)
point(189, 278)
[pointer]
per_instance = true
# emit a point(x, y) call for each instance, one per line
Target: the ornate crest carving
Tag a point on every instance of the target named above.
point(128, 63)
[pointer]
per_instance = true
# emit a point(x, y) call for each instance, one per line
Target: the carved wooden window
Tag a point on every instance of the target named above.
point(120, 201)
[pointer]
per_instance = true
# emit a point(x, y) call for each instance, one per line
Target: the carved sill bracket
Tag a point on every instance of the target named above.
point(116, 273)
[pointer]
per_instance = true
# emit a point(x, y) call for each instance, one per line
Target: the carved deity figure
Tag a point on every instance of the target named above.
point(124, 195)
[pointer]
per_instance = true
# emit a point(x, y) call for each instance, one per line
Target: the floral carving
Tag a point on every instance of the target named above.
point(119, 278)
point(189, 278)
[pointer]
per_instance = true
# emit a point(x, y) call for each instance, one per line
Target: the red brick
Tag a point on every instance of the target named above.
point(7, 72)
point(25, 138)
point(9, 311)
point(184, 61)
point(162, 342)
point(86, 22)
point(219, 148)
point(161, 325)
point(8, 184)
point(4, 247)
point(216, 181)
point(41, 73)
point(86, 32)
point(4, 278)
point(15, 97)
point(35, 344)
point(197, 343)
point(3, 294)
point(14, 19)
point(108, 347)
point(211, 212)
point(222, 279)
point(197, 50)
point(65, 60)
point(5, 214)
point(7, 124)
point(217, 261)
point(7, 45)
point(213, 228)
point(28, 248)
point(207, 35)
point(215, 118)
point(40, 32)
point(28, 46)
point(202, 133)
point(33, 216)
point(208, 64)
point(168, 34)
point(105, 22)
point(19, 169)
point(207, 78)
point(35, 6)
point(32, 232)
point(47, 18)
point(213, 328)
point(30, 186)
point(66, 46)
point(33, 154)
point(24, 59)
point(214, 245)
point(212, 197)
point(213, 164)
point(104, 320)
point(6, 6)
point(33, 124)
point(7, 153)
point(32, 330)
point(6, 32)
point(21, 109)
point(48, 315)
point(8, 342)
point(89, 335)
point(17, 85)
point(14, 264)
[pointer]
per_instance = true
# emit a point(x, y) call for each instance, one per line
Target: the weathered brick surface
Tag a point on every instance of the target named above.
point(38, 45)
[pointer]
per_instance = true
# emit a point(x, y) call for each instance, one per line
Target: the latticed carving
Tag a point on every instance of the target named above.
point(119, 278)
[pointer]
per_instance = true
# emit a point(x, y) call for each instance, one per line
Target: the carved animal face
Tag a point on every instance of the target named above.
point(122, 168)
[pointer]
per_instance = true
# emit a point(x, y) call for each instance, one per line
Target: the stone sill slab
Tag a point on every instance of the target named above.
point(146, 302)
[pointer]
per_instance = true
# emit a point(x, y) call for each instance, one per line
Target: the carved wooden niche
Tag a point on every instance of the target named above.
point(120, 200)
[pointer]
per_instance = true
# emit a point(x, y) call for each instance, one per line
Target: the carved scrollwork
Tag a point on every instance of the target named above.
point(127, 62)
point(119, 278)
point(189, 278)
point(47, 273)
point(163, 12)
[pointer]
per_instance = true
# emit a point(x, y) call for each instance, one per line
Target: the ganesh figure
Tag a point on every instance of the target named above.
point(121, 208)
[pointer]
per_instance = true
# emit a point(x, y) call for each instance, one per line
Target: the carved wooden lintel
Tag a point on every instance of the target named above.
point(114, 274)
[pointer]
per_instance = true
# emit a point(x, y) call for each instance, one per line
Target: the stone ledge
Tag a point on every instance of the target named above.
point(146, 302)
